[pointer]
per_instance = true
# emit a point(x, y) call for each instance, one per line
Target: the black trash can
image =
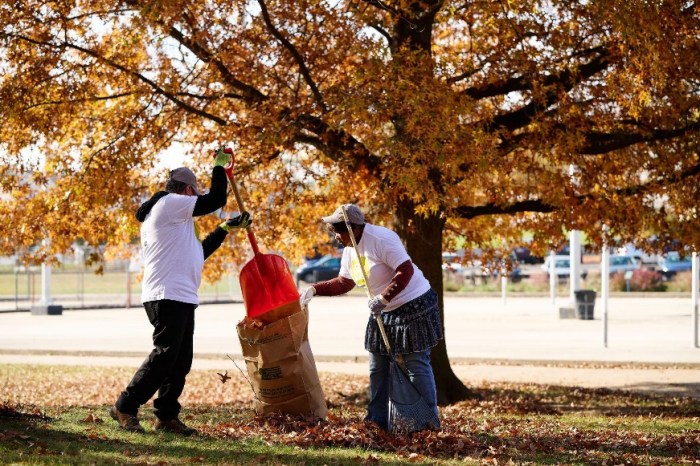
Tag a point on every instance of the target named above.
point(585, 301)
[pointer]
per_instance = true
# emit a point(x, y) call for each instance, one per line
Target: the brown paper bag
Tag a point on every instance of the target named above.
point(281, 367)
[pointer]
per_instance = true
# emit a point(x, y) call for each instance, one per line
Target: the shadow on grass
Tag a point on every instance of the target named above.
point(32, 437)
point(556, 400)
point(667, 389)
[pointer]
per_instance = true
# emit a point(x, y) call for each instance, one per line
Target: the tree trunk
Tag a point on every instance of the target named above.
point(423, 239)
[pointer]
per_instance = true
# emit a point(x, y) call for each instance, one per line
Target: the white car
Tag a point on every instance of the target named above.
point(562, 266)
point(452, 262)
point(639, 255)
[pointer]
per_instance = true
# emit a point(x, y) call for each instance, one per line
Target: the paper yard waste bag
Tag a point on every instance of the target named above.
point(281, 367)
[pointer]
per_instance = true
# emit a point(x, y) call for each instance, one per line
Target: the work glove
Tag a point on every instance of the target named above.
point(306, 296)
point(223, 156)
point(377, 305)
point(237, 221)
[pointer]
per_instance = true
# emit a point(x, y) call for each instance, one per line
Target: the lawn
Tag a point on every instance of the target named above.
point(57, 415)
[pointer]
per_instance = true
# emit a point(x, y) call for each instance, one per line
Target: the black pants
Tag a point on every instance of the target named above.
point(164, 370)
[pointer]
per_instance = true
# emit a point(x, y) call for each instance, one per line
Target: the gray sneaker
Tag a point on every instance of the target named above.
point(126, 421)
point(174, 426)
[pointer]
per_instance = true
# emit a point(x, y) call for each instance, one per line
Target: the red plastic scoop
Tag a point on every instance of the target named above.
point(269, 290)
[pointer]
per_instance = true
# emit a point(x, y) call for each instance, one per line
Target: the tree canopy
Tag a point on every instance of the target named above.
point(449, 120)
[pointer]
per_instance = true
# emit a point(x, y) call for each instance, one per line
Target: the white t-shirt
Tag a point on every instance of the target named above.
point(172, 255)
point(382, 252)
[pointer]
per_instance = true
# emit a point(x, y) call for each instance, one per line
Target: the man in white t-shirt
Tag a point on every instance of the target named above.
point(173, 259)
point(402, 298)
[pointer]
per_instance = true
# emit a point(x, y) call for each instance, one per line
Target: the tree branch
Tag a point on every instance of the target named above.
point(602, 143)
point(377, 27)
point(251, 94)
point(117, 66)
point(563, 81)
point(522, 83)
point(334, 143)
point(75, 101)
point(469, 212)
point(540, 206)
point(295, 54)
point(463, 76)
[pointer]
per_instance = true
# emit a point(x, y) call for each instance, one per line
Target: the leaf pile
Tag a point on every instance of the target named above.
point(504, 422)
point(507, 421)
point(464, 436)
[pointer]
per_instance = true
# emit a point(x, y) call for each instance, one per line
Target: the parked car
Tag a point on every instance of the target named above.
point(484, 272)
point(524, 256)
point(452, 262)
point(452, 265)
point(562, 266)
point(313, 271)
point(639, 255)
point(620, 263)
point(672, 263)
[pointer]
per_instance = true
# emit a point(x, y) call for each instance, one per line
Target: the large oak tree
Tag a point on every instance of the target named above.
point(446, 119)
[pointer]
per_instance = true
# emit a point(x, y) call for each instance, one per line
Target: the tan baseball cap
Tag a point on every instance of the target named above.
point(355, 215)
point(185, 175)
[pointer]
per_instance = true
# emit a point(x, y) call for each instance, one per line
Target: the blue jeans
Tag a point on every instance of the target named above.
point(419, 371)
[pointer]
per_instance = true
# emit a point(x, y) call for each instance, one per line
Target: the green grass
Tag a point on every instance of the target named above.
point(86, 435)
point(65, 437)
point(57, 415)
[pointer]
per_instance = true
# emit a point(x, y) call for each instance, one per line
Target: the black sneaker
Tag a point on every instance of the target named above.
point(175, 426)
point(126, 421)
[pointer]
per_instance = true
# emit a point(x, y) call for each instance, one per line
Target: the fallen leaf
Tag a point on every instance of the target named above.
point(92, 419)
point(224, 377)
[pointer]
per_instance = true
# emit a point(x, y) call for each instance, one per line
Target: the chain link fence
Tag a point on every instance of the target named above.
point(80, 287)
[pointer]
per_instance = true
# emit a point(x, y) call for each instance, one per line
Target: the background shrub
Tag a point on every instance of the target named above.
point(642, 280)
point(681, 282)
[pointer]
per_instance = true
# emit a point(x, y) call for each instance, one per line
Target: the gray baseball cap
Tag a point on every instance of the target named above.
point(185, 175)
point(355, 215)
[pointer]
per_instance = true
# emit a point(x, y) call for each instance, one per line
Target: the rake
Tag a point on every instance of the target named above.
point(408, 410)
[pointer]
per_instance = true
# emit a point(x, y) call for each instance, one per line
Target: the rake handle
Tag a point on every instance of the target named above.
point(249, 230)
point(364, 275)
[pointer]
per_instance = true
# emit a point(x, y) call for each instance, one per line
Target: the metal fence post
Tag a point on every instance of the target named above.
point(694, 298)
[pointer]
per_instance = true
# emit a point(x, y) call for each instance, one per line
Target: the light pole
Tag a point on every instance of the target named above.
point(46, 306)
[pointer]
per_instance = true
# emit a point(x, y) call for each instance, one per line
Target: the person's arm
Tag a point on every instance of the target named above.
point(334, 287)
point(216, 197)
point(399, 281)
point(212, 242)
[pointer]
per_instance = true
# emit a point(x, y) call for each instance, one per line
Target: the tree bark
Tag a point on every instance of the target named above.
point(423, 238)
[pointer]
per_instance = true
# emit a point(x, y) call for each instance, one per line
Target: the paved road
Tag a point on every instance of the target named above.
point(650, 340)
